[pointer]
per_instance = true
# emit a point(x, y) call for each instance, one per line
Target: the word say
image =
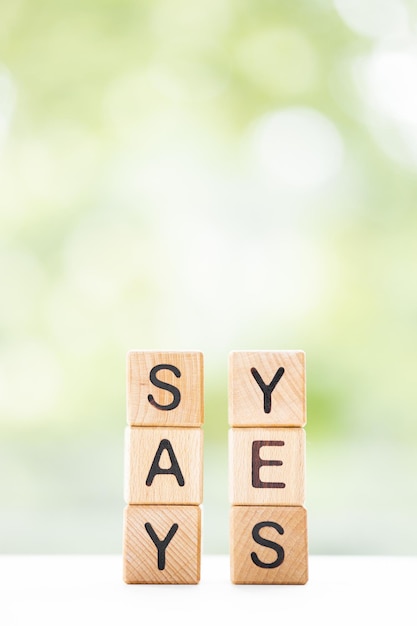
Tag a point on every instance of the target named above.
point(163, 468)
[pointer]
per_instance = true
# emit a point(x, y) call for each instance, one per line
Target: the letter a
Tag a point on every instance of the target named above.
point(175, 469)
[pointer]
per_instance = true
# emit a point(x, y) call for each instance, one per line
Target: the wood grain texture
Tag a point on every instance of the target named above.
point(179, 386)
point(176, 563)
point(246, 395)
point(149, 452)
point(269, 545)
point(267, 466)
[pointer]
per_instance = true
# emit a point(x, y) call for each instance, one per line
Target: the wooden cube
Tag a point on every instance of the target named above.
point(267, 466)
point(269, 545)
point(165, 388)
point(162, 544)
point(163, 465)
point(267, 388)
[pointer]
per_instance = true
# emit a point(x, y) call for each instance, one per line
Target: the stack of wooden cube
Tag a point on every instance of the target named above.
point(164, 467)
point(267, 413)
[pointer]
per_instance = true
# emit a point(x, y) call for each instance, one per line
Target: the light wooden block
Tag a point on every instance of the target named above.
point(162, 544)
point(267, 388)
point(165, 388)
point(268, 545)
point(163, 465)
point(267, 466)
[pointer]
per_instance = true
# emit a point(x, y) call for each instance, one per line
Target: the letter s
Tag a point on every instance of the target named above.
point(268, 544)
point(163, 385)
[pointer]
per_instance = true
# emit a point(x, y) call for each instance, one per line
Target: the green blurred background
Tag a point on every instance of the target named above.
point(211, 175)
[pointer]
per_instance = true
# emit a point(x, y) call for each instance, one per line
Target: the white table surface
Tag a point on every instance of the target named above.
point(80, 590)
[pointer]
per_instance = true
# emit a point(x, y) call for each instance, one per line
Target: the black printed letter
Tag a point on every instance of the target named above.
point(257, 463)
point(267, 389)
point(163, 385)
point(175, 469)
point(161, 545)
point(268, 544)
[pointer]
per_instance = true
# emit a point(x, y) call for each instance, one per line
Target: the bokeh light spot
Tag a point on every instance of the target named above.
point(374, 18)
point(297, 147)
